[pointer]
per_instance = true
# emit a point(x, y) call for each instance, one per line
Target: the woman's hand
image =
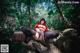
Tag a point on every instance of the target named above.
point(38, 30)
point(41, 29)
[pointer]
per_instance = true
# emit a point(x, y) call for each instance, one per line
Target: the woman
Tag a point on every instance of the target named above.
point(40, 32)
point(41, 25)
point(40, 28)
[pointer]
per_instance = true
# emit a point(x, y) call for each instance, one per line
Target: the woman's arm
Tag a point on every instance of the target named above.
point(47, 29)
point(37, 28)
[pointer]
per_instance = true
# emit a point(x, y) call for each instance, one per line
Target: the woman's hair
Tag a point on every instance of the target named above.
point(41, 20)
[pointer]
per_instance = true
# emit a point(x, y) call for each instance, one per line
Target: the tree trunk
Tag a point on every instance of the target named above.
point(66, 22)
point(30, 25)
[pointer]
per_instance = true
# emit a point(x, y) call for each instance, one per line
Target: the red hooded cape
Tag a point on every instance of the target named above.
point(44, 27)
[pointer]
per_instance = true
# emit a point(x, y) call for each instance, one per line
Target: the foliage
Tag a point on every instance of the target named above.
point(17, 13)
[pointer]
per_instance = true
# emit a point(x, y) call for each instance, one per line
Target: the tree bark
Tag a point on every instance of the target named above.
point(66, 22)
point(30, 20)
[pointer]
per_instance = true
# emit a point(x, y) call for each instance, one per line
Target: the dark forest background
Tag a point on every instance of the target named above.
point(17, 13)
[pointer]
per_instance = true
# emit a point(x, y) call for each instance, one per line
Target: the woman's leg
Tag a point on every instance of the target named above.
point(28, 32)
point(31, 33)
point(51, 34)
point(39, 36)
point(36, 36)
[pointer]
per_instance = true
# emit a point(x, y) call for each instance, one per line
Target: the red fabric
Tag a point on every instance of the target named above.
point(44, 27)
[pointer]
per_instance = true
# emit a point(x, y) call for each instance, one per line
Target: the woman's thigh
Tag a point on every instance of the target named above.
point(51, 34)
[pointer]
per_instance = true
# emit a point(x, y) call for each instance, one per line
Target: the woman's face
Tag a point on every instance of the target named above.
point(42, 22)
